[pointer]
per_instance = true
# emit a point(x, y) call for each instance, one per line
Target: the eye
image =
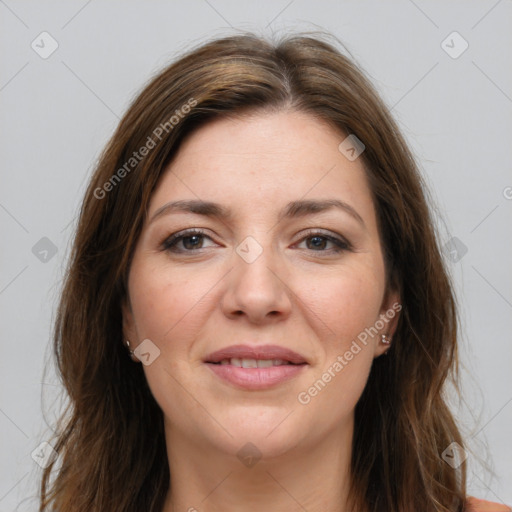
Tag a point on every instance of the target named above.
point(318, 241)
point(190, 240)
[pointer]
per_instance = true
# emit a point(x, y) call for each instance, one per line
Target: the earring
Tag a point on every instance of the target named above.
point(385, 340)
point(128, 346)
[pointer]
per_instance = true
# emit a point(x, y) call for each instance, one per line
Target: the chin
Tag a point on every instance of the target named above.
point(273, 430)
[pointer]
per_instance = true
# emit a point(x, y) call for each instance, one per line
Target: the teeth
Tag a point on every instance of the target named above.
point(265, 363)
point(253, 363)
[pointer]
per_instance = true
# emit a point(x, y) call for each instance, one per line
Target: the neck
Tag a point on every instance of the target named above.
point(313, 478)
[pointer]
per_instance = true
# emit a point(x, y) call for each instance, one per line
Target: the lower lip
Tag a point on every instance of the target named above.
point(256, 378)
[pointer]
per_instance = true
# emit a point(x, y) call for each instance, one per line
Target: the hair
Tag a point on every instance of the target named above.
point(110, 440)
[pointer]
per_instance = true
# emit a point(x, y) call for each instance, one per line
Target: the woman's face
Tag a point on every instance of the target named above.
point(263, 327)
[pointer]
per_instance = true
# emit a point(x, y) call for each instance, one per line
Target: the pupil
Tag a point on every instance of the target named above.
point(319, 241)
point(188, 238)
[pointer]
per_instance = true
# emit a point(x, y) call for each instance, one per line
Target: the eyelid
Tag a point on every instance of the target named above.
point(184, 233)
point(322, 232)
point(340, 241)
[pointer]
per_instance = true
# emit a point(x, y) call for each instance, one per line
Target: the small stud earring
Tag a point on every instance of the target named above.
point(385, 340)
point(128, 346)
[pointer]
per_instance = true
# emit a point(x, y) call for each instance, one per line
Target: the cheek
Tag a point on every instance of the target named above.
point(167, 306)
point(165, 302)
point(346, 300)
point(348, 305)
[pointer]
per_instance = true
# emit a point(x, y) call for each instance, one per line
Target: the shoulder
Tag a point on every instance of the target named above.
point(476, 505)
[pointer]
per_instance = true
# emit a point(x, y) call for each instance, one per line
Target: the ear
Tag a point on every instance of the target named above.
point(389, 316)
point(129, 330)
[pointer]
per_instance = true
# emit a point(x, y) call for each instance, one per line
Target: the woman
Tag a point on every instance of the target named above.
point(256, 314)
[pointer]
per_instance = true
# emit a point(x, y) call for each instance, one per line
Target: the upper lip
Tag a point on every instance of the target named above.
point(256, 352)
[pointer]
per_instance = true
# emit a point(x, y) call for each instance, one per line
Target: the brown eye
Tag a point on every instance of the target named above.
point(192, 241)
point(319, 242)
point(185, 241)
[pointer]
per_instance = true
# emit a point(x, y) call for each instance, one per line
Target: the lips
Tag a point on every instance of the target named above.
point(253, 363)
point(259, 353)
point(255, 368)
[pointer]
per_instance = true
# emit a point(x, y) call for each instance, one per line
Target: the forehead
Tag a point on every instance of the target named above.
point(263, 160)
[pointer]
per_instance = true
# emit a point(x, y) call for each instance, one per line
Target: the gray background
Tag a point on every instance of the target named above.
point(57, 113)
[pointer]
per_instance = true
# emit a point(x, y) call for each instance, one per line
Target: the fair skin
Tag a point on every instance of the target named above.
point(201, 295)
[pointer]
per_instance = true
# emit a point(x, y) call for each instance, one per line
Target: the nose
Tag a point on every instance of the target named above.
point(257, 290)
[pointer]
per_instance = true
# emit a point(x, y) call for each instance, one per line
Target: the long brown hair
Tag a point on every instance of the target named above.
point(111, 441)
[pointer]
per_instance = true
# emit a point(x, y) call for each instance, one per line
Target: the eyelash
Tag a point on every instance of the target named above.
point(170, 243)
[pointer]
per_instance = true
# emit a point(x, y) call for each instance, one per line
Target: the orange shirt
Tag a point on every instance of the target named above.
point(475, 505)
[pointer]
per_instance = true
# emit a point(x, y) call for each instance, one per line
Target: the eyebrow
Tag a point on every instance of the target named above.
point(294, 209)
